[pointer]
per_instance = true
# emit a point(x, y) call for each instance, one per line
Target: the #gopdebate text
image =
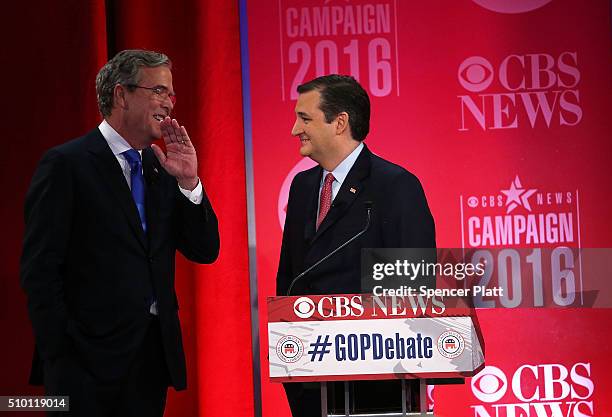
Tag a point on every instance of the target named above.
point(365, 346)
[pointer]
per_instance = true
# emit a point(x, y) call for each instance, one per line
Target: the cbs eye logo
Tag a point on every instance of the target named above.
point(511, 7)
point(490, 384)
point(303, 307)
point(475, 74)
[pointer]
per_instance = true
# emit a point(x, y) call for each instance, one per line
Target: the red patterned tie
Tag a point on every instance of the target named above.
point(326, 198)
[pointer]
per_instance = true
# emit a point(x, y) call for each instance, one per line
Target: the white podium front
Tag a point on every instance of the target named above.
point(363, 337)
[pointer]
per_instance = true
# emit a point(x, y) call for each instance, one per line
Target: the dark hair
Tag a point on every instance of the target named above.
point(342, 93)
point(124, 69)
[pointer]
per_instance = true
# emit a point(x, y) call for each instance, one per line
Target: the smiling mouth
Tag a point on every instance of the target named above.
point(159, 117)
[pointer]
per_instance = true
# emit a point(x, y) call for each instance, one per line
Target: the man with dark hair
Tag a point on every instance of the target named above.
point(327, 206)
point(105, 215)
point(342, 94)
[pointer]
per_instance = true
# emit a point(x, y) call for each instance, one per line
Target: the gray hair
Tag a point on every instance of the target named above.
point(124, 69)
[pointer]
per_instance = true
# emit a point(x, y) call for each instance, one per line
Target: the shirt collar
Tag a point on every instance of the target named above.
point(117, 144)
point(345, 166)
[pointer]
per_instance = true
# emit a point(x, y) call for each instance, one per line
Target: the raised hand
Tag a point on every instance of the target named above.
point(180, 159)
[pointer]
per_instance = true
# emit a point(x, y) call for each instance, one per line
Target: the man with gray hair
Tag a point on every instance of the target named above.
point(105, 215)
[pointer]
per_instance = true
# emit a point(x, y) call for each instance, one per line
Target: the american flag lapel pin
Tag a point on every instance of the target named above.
point(352, 190)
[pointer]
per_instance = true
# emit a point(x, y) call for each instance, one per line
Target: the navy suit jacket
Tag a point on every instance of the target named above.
point(400, 219)
point(88, 268)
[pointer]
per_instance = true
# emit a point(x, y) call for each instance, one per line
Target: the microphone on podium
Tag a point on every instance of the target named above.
point(368, 206)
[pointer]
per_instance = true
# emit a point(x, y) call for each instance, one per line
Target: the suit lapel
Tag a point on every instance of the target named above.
point(110, 173)
point(350, 189)
point(312, 203)
point(153, 196)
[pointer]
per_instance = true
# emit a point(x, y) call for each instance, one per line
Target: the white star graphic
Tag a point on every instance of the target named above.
point(516, 196)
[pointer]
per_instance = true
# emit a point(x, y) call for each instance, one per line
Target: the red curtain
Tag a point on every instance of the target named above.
point(50, 57)
point(52, 53)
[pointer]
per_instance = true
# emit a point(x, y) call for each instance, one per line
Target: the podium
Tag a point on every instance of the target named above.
point(351, 337)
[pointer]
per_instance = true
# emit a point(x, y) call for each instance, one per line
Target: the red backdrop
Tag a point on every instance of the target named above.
point(52, 53)
point(502, 109)
point(449, 103)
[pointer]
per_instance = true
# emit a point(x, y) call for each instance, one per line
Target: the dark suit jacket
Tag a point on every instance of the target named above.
point(400, 219)
point(88, 268)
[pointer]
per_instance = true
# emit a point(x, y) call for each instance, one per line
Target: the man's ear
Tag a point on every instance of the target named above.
point(342, 123)
point(119, 98)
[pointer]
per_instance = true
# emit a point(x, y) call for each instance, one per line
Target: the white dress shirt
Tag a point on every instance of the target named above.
point(119, 145)
point(340, 173)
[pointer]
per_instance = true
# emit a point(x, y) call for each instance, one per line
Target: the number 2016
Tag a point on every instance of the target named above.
point(326, 62)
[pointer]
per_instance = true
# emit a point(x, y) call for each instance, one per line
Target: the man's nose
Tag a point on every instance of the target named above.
point(168, 105)
point(297, 129)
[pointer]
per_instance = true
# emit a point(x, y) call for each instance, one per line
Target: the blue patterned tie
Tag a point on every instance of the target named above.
point(137, 183)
